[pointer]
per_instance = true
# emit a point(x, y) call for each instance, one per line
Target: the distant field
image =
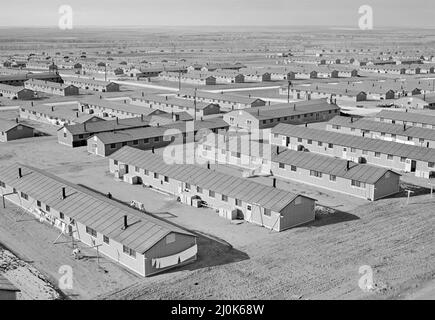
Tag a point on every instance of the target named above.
point(320, 260)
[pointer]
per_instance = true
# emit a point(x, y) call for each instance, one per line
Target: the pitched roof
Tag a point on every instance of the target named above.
point(377, 126)
point(240, 142)
point(329, 165)
point(243, 144)
point(223, 65)
point(363, 143)
point(379, 86)
point(290, 109)
point(328, 90)
point(428, 98)
point(308, 68)
point(60, 112)
point(169, 100)
point(109, 125)
point(87, 81)
point(27, 76)
point(407, 116)
point(253, 72)
point(50, 84)
point(117, 106)
point(6, 125)
point(234, 187)
point(14, 89)
point(151, 132)
point(183, 116)
point(161, 68)
point(90, 208)
point(284, 70)
point(224, 73)
point(190, 93)
point(200, 75)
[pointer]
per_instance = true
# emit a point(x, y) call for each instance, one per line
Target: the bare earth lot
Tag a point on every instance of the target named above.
point(319, 260)
point(32, 284)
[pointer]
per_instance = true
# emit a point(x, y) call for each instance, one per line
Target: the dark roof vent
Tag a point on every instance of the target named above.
point(125, 226)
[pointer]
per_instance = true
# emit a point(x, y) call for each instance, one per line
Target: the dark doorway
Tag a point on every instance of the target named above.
point(413, 165)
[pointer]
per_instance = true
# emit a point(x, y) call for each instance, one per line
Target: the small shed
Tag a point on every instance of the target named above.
point(13, 130)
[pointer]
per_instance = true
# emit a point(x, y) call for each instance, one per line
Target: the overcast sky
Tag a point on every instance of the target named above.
point(405, 13)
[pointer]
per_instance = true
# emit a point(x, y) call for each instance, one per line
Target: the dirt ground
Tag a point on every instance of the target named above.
point(427, 292)
point(316, 261)
point(34, 241)
point(33, 285)
point(395, 239)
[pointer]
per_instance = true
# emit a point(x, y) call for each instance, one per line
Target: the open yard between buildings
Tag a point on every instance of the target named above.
point(390, 236)
point(318, 260)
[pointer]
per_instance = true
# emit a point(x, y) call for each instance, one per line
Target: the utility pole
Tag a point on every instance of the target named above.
point(288, 91)
point(105, 72)
point(431, 188)
point(194, 103)
point(97, 246)
point(179, 80)
point(3, 198)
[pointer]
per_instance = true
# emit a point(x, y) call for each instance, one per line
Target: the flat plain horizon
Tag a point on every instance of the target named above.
point(175, 13)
